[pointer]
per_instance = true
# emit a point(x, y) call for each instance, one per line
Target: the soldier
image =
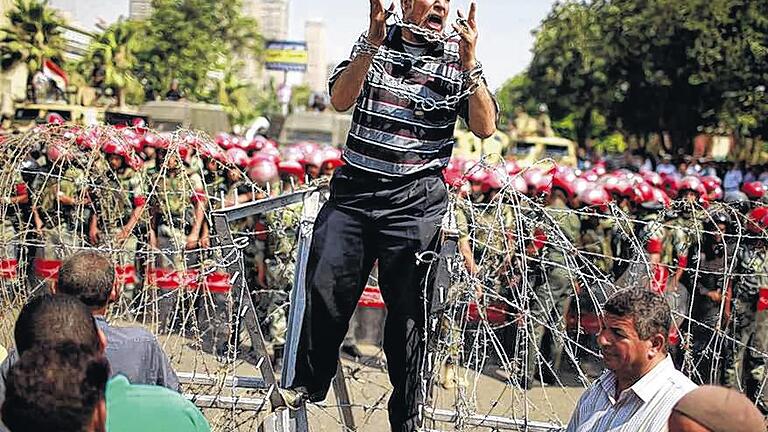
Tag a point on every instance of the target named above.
point(11, 229)
point(177, 216)
point(62, 210)
point(710, 296)
point(119, 208)
point(685, 227)
point(755, 192)
point(744, 369)
point(282, 227)
point(594, 237)
point(561, 242)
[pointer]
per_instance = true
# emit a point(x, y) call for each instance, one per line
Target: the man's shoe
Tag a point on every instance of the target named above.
point(294, 399)
point(351, 351)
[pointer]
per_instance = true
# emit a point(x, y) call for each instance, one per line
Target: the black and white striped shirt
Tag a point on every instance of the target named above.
point(644, 407)
point(389, 135)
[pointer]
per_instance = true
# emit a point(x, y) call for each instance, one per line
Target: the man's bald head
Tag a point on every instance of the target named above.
point(715, 409)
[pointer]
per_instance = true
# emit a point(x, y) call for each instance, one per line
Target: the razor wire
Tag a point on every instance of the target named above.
point(492, 356)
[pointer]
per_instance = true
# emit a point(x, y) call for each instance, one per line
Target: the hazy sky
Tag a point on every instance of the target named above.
point(505, 26)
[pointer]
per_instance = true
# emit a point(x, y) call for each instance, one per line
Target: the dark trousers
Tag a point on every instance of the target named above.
point(370, 218)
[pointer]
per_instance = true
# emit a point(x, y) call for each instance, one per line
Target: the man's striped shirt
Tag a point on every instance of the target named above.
point(644, 407)
point(389, 135)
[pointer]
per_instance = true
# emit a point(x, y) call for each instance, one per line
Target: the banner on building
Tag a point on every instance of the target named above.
point(286, 56)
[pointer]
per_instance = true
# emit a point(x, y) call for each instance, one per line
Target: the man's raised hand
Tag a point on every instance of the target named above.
point(467, 30)
point(377, 30)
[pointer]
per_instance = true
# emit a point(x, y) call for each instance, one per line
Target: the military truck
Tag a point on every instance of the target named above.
point(168, 116)
point(326, 127)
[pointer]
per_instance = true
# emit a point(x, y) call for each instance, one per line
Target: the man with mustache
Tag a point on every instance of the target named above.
point(408, 85)
point(641, 385)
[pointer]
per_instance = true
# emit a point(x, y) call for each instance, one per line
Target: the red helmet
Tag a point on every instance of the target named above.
point(223, 139)
point(692, 183)
point(292, 154)
point(151, 140)
point(123, 149)
point(710, 183)
point(563, 179)
point(57, 151)
point(753, 190)
point(618, 185)
point(291, 168)
point(453, 174)
point(643, 193)
point(540, 182)
point(262, 170)
point(580, 185)
point(595, 197)
point(519, 184)
point(716, 194)
point(671, 185)
point(494, 179)
point(652, 178)
point(209, 150)
point(314, 158)
point(238, 157)
point(512, 167)
point(656, 199)
point(757, 220)
point(55, 118)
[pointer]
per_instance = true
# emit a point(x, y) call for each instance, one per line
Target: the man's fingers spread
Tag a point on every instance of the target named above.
point(472, 12)
point(461, 15)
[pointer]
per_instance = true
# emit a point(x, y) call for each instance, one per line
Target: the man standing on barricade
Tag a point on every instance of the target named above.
point(408, 85)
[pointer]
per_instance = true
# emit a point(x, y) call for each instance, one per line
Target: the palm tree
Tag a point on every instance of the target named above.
point(112, 56)
point(33, 34)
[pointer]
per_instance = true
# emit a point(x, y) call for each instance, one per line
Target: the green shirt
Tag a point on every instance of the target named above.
point(150, 409)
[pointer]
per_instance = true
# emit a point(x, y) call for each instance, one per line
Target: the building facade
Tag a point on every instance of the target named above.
point(140, 9)
point(317, 64)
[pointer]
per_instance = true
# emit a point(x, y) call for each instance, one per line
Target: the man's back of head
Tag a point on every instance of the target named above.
point(89, 276)
point(58, 389)
point(53, 319)
point(715, 409)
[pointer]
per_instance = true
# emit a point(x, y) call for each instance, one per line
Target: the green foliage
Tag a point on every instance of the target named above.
point(33, 34)
point(196, 41)
point(516, 95)
point(654, 65)
point(300, 96)
point(111, 60)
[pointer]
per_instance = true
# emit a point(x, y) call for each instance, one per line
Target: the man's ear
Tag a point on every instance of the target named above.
point(114, 294)
point(406, 6)
point(99, 419)
point(658, 343)
point(102, 341)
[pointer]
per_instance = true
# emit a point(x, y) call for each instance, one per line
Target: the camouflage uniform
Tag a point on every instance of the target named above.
point(114, 205)
point(486, 229)
point(595, 241)
point(283, 227)
point(64, 226)
point(173, 218)
point(559, 282)
point(749, 281)
point(11, 236)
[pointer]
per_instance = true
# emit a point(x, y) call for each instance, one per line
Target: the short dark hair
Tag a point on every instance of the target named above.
point(55, 388)
point(89, 276)
point(52, 319)
point(649, 310)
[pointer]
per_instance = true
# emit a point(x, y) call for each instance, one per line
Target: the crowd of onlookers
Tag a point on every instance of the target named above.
point(72, 371)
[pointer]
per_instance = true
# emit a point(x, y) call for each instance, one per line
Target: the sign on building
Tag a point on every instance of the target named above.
point(286, 56)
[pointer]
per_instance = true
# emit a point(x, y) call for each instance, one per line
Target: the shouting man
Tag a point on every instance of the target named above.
point(408, 84)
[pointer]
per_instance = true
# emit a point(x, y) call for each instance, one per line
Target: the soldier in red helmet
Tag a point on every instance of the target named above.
point(119, 213)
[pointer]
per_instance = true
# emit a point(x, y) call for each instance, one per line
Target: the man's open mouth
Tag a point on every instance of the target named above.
point(434, 22)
